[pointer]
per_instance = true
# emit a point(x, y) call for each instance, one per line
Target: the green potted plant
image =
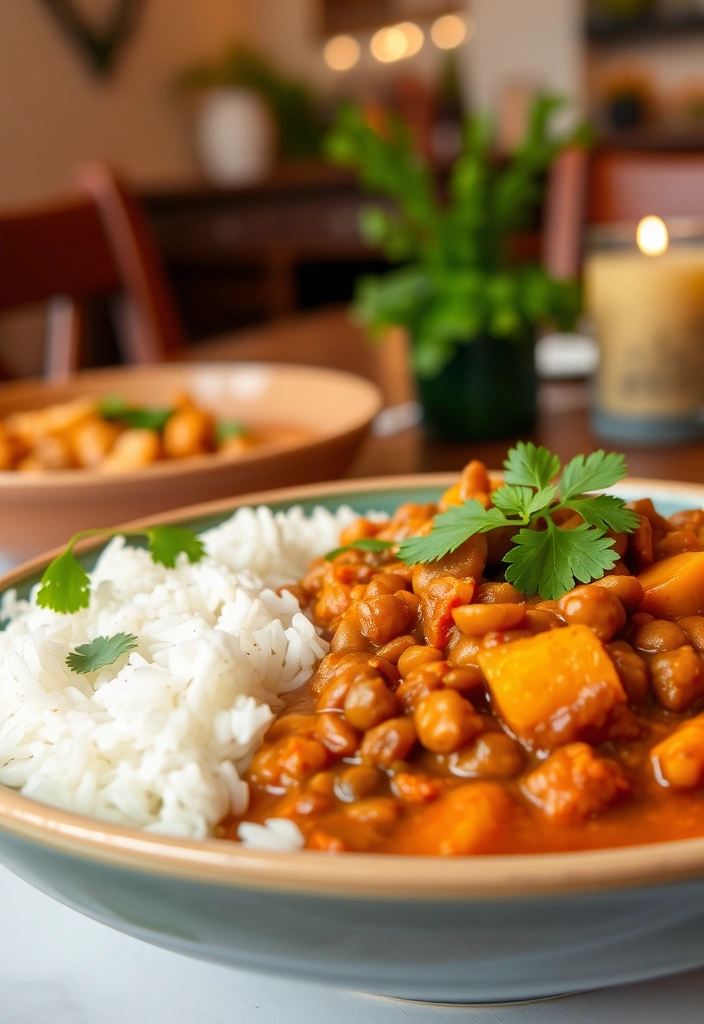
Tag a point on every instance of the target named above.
point(470, 312)
point(249, 114)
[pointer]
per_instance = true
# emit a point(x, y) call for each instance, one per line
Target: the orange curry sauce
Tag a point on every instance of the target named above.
point(453, 715)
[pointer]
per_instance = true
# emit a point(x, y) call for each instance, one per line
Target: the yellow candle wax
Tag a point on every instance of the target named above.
point(648, 314)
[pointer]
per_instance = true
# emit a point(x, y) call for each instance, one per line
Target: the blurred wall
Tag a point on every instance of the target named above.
point(288, 31)
point(532, 42)
point(525, 42)
point(55, 113)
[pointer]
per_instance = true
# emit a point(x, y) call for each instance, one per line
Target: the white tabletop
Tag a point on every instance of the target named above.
point(59, 967)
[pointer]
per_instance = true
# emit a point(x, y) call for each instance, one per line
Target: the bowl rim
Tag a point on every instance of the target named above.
point(352, 875)
point(368, 401)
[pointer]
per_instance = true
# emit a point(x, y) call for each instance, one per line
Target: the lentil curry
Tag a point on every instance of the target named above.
point(454, 715)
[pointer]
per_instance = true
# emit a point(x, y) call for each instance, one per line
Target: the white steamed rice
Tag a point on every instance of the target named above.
point(158, 739)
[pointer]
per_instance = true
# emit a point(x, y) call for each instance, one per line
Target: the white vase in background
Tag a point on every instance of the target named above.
point(236, 136)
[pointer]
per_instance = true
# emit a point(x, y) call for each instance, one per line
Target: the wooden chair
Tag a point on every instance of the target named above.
point(94, 243)
point(608, 186)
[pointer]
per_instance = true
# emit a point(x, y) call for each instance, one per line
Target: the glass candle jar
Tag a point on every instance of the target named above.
point(644, 291)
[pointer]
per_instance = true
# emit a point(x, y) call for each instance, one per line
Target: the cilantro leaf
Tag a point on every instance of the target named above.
point(606, 512)
point(226, 429)
point(65, 585)
point(134, 416)
point(167, 542)
point(363, 544)
point(102, 651)
point(594, 473)
point(530, 466)
point(523, 501)
point(547, 562)
point(513, 499)
point(543, 561)
point(450, 529)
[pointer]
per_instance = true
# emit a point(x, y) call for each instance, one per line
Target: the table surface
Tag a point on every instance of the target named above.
point(57, 965)
point(328, 338)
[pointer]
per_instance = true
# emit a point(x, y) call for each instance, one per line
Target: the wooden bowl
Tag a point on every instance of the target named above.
point(331, 412)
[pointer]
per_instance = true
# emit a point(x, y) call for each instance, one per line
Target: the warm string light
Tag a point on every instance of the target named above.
point(450, 31)
point(341, 53)
point(415, 37)
point(652, 236)
point(397, 42)
point(389, 44)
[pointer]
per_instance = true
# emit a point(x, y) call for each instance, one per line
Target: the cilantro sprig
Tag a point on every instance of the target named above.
point(100, 652)
point(65, 585)
point(546, 558)
point(138, 417)
point(363, 544)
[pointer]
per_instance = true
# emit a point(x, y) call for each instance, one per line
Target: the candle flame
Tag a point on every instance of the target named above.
point(652, 237)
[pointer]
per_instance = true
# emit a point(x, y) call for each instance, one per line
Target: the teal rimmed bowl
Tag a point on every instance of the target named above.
point(475, 929)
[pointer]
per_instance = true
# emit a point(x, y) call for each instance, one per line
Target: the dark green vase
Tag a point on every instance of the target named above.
point(487, 391)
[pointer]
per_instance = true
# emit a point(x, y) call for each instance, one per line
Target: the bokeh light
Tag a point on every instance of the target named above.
point(389, 44)
point(341, 53)
point(651, 236)
point(449, 31)
point(414, 37)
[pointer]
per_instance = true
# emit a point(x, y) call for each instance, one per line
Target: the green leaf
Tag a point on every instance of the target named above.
point(363, 544)
point(542, 499)
point(513, 499)
point(429, 356)
point(104, 650)
point(606, 512)
point(450, 529)
point(530, 466)
point(65, 585)
point(594, 473)
point(225, 429)
point(136, 417)
point(167, 542)
point(547, 562)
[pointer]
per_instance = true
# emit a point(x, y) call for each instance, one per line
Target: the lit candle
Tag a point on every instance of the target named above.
point(647, 306)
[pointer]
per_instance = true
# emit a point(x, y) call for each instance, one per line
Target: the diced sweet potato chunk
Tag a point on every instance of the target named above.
point(464, 821)
point(550, 687)
point(679, 759)
point(675, 586)
point(575, 783)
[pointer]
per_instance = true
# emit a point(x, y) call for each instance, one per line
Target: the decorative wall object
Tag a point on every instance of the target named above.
point(100, 38)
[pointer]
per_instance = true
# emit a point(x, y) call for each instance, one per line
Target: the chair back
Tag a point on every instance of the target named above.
point(96, 242)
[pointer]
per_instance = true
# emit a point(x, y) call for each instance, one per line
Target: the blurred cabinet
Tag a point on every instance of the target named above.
point(242, 256)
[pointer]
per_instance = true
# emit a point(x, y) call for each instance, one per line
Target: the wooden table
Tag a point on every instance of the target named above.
point(328, 338)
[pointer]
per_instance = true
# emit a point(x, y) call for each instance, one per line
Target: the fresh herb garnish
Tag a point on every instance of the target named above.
point(363, 544)
point(65, 585)
point(167, 542)
point(548, 560)
point(104, 650)
point(226, 429)
point(135, 416)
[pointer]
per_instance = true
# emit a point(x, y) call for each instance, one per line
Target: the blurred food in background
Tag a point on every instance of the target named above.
point(112, 436)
